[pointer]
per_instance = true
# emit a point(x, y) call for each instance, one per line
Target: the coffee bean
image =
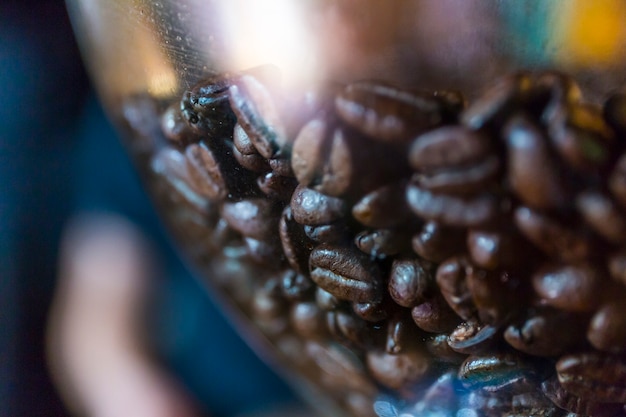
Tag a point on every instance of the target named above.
point(277, 187)
point(313, 208)
point(602, 214)
point(267, 253)
point(206, 107)
point(325, 300)
point(349, 329)
point(174, 126)
point(408, 282)
point(437, 243)
point(381, 243)
point(205, 172)
point(532, 403)
point(581, 406)
point(387, 113)
point(346, 273)
point(336, 232)
point(496, 103)
point(532, 173)
point(434, 316)
point(252, 162)
point(557, 240)
point(473, 337)
point(374, 312)
point(617, 266)
point(461, 181)
point(282, 167)
point(398, 371)
point(258, 114)
point(384, 207)
point(308, 320)
point(295, 244)
point(546, 332)
point(451, 278)
point(255, 218)
point(614, 112)
point(401, 334)
point(295, 286)
point(552, 91)
point(452, 210)
point(437, 345)
point(495, 294)
point(440, 398)
point(582, 137)
point(569, 287)
point(269, 307)
point(593, 376)
point(617, 180)
point(242, 141)
point(607, 329)
point(498, 372)
point(493, 249)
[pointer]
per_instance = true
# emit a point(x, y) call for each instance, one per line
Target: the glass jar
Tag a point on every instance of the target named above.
point(418, 207)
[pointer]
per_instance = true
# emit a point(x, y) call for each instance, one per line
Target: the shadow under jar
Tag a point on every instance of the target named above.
point(417, 208)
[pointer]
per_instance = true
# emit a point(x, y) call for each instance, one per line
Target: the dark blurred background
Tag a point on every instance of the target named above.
point(60, 156)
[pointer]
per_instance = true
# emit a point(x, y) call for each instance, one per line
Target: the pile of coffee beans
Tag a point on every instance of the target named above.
point(410, 253)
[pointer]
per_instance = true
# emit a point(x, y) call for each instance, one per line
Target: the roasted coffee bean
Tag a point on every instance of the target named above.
point(440, 398)
point(434, 315)
point(269, 307)
point(493, 106)
point(205, 172)
point(387, 113)
point(296, 286)
point(400, 370)
point(361, 405)
point(602, 214)
point(532, 173)
point(593, 376)
point(206, 107)
point(374, 312)
point(451, 210)
point(451, 278)
point(381, 243)
point(401, 333)
point(484, 404)
point(570, 287)
point(617, 266)
point(495, 294)
point(617, 180)
point(313, 208)
point(349, 329)
point(339, 368)
point(252, 162)
point(581, 406)
point(493, 249)
point(174, 126)
point(310, 151)
point(581, 137)
point(437, 345)
point(384, 207)
point(277, 187)
point(607, 329)
point(282, 167)
point(460, 180)
point(555, 239)
point(296, 245)
point(532, 403)
point(551, 91)
point(171, 165)
point(547, 332)
point(258, 114)
point(326, 300)
point(495, 372)
point(409, 281)
point(268, 253)
point(437, 243)
point(336, 232)
point(256, 218)
point(346, 273)
point(472, 337)
point(308, 320)
point(242, 142)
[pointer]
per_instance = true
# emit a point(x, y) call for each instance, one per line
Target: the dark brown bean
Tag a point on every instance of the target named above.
point(295, 286)
point(581, 406)
point(617, 266)
point(258, 115)
point(437, 345)
point(437, 243)
point(295, 243)
point(381, 243)
point(492, 249)
point(336, 232)
point(547, 332)
point(400, 370)
point(602, 214)
point(252, 162)
point(268, 253)
point(434, 315)
point(532, 403)
point(348, 328)
point(499, 371)
point(314, 208)
point(496, 103)
point(384, 207)
point(174, 126)
point(472, 337)
point(308, 320)
point(607, 329)
point(440, 398)
point(374, 312)
point(277, 187)
point(557, 240)
point(387, 113)
point(255, 218)
point(569, 287)
point(553, 90)
point(206, 172)
point(532, 173)
point(496, 294)
point(408, 282)
point(460, 180)
point(326, 300)
point(451, 278)
point(582, 137)
point(269, 307)
point(452, 210)
point(282, 167)
point(594, 376)
point(346, 273)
